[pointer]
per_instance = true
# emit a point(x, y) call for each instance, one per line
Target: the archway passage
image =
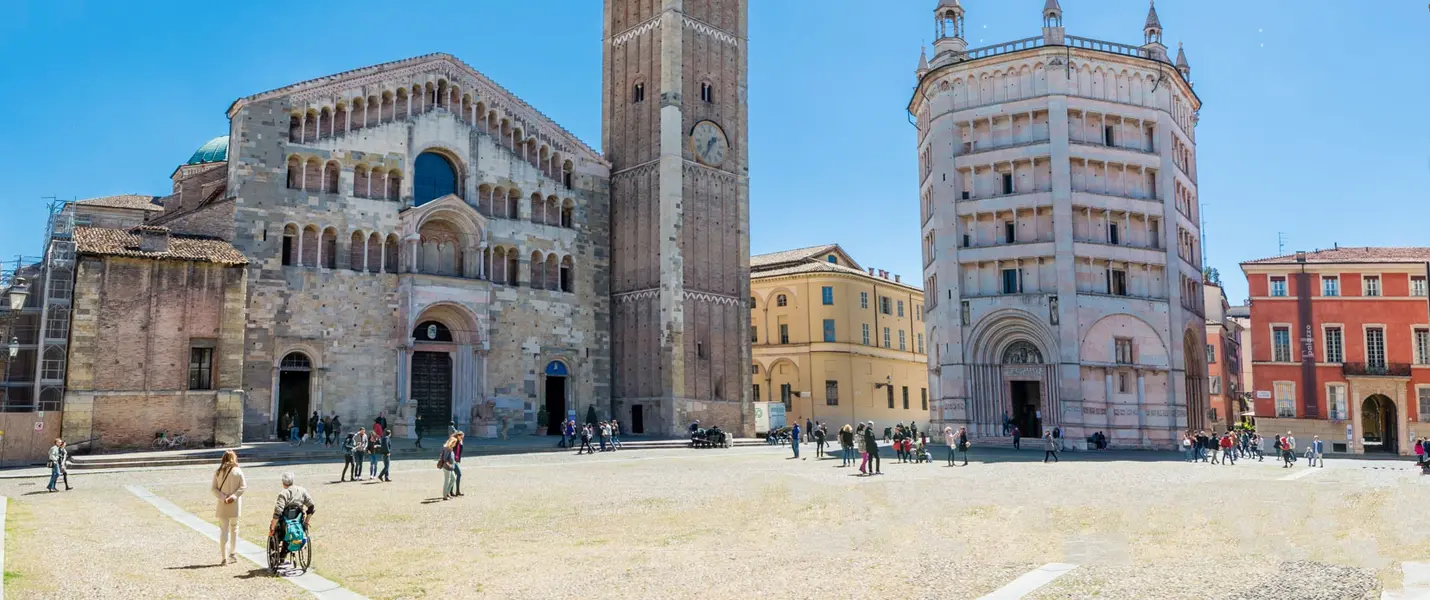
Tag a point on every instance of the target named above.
point(555, 396)
point(432, 391)
point(1027, 411)
point(637, 419)
point(1378, 421)
point(294, 385)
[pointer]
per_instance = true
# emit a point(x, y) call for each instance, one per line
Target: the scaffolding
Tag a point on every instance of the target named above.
point(37, 336)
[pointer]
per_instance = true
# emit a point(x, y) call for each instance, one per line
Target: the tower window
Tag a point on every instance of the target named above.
point(1112, 233)
point(1010, 232)
point(1007, 183)
point(1109, 136)
point(638, 93)
point(707, 92)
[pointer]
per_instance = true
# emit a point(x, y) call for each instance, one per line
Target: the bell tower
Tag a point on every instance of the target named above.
point(674, 129)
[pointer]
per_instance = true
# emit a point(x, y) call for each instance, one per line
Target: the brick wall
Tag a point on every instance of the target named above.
point(131, 420)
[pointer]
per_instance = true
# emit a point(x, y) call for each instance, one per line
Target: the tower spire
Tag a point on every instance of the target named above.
point(1152, 29)
point(1182, 64)
point(923, 62)
point(949, 43)
point(1052, 23)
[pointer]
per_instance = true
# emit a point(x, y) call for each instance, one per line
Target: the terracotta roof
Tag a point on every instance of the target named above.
point(132, 201)
point(121, 242)
point(789, 256)
point(819, 266)
point(1359, 254)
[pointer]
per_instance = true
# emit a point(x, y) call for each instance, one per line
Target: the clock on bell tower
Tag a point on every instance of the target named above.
point(674, 129)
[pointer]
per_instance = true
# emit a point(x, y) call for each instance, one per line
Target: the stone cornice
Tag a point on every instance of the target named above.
point(402, 73)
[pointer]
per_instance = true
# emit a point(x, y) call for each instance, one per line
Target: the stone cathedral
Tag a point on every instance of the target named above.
point(418, 241)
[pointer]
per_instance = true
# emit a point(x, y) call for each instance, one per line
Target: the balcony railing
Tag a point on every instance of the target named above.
point(1101, 46)
point(1005, 48)
point(1376, 369)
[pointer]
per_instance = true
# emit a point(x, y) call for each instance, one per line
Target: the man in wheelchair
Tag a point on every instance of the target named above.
point(294, 502)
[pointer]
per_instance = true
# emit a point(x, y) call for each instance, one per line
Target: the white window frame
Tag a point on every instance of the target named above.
point(1277, 398)
point(1331, 285)
point(1215, 386)
point(1341, 413)
point(1384, 343)
point(1419, 293)
point(1420, 404)
point(1271, 286)
point(1290, 341)
point(1365, 286)
point(1421, 353)
point(866, 334)
point(1326, 347)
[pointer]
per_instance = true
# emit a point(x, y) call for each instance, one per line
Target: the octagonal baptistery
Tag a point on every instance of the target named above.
point(1062, 265)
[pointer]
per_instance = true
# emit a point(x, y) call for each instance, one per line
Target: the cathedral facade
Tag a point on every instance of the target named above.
point(418, 242)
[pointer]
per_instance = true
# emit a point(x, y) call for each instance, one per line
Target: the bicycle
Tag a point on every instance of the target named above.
point(164, 441)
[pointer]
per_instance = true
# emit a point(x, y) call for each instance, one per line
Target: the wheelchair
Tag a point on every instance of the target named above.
point(302, 558)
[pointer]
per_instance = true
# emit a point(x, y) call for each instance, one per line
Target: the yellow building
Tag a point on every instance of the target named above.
point(835, 343)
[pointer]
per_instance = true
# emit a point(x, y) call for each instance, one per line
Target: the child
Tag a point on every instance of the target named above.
point(924, 454)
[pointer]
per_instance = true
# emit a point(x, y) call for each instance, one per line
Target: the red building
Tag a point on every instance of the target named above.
point(1341, 347)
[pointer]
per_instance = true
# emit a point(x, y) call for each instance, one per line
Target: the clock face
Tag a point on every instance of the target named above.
point(708, 143)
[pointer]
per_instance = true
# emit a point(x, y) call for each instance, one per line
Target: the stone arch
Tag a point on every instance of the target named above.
point(330, 177)
point(792, 299)
point(389, 254)
point(568, 213)
point(404, 104)
point(377, 183)
point(295, 172)
point(538, 270)
point(997, 331)
point(360, 181)
point(552, 276)
point(513, 203)
point(358, 114)
point(357, 250)
point(568, 274)
point(328, 251)
point(538, 208)
point(295, 127)
point(1149, 348)
point(374, 253)
point(458, 319)
point(340, 118)
point(459, 170)
point(308, 245)
point(388, 108)
point(394, 184)
point(374, 111)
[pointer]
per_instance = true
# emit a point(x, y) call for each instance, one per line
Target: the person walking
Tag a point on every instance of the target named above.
point(1290, 451)
point(1315, 452)
point(227, 488)
point(1050, 448)
point(457, 462)
point(952, 442)
point(359, 452)
point(859, 445)
point(819, 442)
point(615, 434)
point(604, 429)
point(320, 432)
point(417, 426)
point(872, 447)
point(54, 463)
point(1420, 451)
point(808, 430)
point(794, 439)
point(1228, 450)
point(1187, 447)
point(336, 427)
point(568, 434)
point(846, 446)
point(586, 441)
point(1017, 436)
point(384, 447)
point(444, 462)
point(65, 464)
point(347, 449)
point(312, 433)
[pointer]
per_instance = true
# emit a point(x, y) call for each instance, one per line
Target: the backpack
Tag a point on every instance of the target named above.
point(293, 534)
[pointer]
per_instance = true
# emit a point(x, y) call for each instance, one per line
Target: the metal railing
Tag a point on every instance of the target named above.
point(1376, 369)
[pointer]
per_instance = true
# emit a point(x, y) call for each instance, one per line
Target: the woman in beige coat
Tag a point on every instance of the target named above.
point(228, 487)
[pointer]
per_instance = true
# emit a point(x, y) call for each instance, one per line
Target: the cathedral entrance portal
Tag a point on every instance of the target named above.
point(1027, 411)
point(294, 379)
point(555, 396)
point(432, 390)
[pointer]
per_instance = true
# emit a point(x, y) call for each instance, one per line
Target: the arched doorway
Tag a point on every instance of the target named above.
point(556, 374)
point(1194, 374)
point(1025, 394)
point(432, 378)
point(1377, 422)
point(295, 373)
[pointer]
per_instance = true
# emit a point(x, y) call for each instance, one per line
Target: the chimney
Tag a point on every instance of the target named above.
point(871, 271)
point(153, 238)
point(896, 278)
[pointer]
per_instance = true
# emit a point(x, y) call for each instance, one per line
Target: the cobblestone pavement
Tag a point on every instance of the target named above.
point(751, 523)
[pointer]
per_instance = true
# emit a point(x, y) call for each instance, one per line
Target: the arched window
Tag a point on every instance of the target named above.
point(538, 271)
point(295, 128)
point(513, 264)
point(357, 251)
point(566, 173)
point(330, 248)
point(780, 300)
point(295, 361)
point(753, 304)
point(360, 182)
point(330, 177)
point(567, 267)
point(638, 94)
point(434, 178)
point(394, 185)
point(707, 92)
point(389, 254)
point(568, 211)
point(310, 246)
point(432, 331)
point(295, 172)
point(374, 253)
point(313, 176)
point(290, 245)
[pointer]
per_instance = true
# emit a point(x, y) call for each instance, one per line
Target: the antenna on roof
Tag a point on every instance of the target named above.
point(1280, 243)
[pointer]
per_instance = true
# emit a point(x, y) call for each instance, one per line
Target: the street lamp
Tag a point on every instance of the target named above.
point(18, 293)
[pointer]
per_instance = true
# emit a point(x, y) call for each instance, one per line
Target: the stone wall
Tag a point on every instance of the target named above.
point(135, 322)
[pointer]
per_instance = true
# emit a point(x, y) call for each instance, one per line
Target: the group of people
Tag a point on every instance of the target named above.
point(58, 463)
point(323, 429)
point(449, 459)
point(1422, 453)
point(373, 446)
point(228, 487)
point(1225, 449)
point(606, 433)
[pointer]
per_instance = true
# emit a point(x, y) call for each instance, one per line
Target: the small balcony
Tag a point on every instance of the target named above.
point(1376, 369)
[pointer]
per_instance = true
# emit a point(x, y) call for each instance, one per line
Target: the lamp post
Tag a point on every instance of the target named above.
point(18, 293)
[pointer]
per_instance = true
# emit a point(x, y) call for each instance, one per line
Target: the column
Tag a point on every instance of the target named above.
point(1141, 401)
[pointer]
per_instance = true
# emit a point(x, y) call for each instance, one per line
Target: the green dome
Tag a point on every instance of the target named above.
point(214, 151)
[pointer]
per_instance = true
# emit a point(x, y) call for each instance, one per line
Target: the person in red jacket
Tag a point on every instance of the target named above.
point(1228, 457)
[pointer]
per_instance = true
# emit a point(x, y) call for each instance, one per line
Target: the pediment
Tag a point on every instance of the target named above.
point(448, 208)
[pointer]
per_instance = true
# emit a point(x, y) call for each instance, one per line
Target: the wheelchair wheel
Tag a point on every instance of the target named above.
point(274, 551)
point(303, 558)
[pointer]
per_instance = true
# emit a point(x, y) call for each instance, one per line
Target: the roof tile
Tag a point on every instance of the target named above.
point(105, 241)
point(133, 201)
point(1359, 254)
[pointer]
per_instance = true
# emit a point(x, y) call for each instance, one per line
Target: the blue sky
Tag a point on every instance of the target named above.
point(1314, 120)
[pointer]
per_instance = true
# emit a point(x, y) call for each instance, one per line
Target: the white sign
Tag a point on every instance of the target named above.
point(1263, 395)
point(1349, 434)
